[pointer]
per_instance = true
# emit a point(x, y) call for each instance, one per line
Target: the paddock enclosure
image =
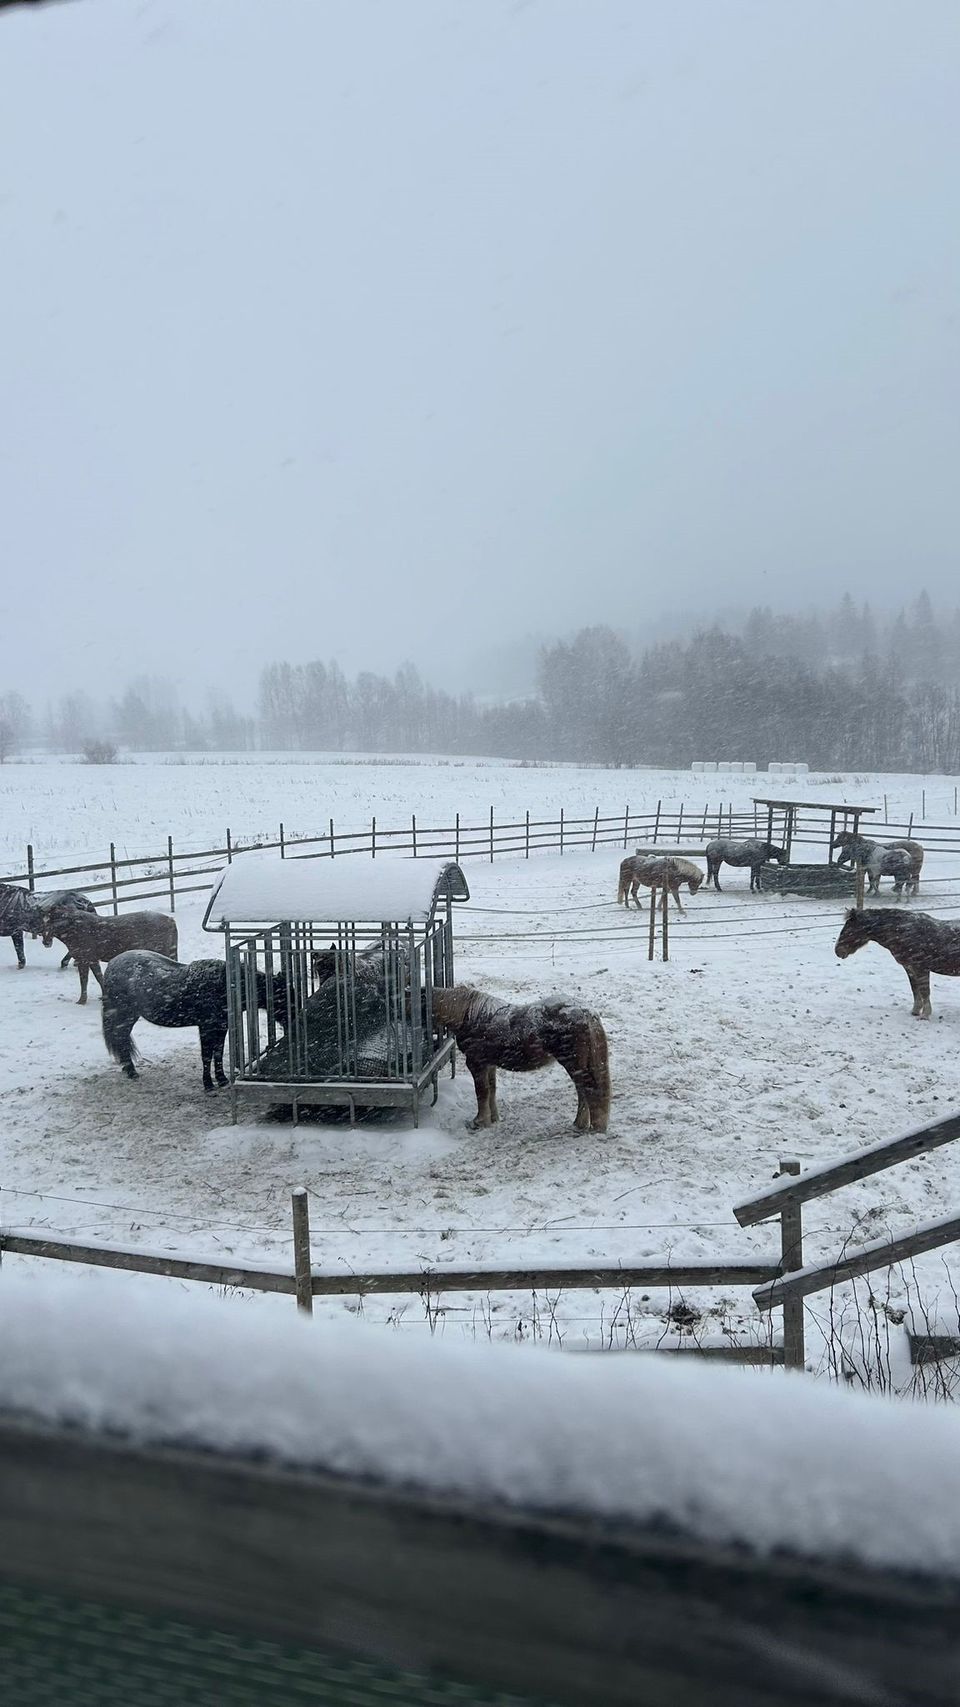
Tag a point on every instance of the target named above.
point(357, 950)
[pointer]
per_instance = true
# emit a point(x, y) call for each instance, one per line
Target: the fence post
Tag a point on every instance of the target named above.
point(457, 838)
point(413, 827)
point(923, 805)
point(332, 848)
point(680, 824)
point(886, 817)
point(229, 849)
point(596, 820)
point(113, 878)
point(283, 845)
point(30, 878)
point(653, 924)
point(656, 822)
point(910, 826)
point(373, 837)
point(561, 830)
point(626, 825)
point(526, 835)
point(664, 927)
point(173, 892)
point(791, 1257)
point(491, 835)
point(302, 1269)
point(858, 899)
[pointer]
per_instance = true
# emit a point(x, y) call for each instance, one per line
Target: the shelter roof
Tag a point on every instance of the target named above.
point(817, 805)
point(272, 891)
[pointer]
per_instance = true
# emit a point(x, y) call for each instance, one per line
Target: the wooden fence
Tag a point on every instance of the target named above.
point(785, 1202)
point(304, 1282)
point(163, 876)
point(780, 1283)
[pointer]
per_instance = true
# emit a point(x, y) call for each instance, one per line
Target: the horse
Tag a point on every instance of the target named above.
point(918, 943)
point(890, 862)
point(856, 847)
point(492, 1034)
point(21, 910)
point(139, 984)
point(753, 853)
point(91, 939)
point(657, 873)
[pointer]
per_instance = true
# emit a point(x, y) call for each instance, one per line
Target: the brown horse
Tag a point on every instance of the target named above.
point(493, 1034)
point(91, 939)
point(657, 873)
point(919, 944)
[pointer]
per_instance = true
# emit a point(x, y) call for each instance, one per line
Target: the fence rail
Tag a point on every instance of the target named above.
point(165, 875)
point(795, 1281)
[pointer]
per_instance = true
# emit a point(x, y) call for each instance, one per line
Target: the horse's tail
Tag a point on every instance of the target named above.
point(597, 1090)
point(117, 1024)
point(624, 883)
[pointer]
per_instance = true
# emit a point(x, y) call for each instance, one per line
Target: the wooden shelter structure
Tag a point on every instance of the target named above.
point(820, 879)
point(348, 955)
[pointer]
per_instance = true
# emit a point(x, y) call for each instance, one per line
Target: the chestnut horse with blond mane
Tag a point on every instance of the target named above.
point(522, 1039)
point(657, 872)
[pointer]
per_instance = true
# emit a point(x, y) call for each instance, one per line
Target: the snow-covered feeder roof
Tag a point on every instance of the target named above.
point(255, 891)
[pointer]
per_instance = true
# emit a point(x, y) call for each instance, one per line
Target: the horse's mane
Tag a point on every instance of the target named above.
point(463, 1001)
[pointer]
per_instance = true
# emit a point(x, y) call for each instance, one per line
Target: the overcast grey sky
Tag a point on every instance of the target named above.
point(332, 326)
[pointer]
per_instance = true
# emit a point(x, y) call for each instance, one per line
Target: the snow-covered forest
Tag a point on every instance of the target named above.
point(845, 688)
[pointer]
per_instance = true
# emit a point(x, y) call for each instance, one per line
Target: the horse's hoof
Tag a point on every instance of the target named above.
point(81, 1001)
point(131, 1073)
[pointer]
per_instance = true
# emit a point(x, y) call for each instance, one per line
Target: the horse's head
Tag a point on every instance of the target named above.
point(693, 883)
point(324, 963)
point(854, 934)
point(54, 921)
point(844, 839)
point(779, 854)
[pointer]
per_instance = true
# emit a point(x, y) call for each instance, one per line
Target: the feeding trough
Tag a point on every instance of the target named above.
point(824, 880)
point(344, 947)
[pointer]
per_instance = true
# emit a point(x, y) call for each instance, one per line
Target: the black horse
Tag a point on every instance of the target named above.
point(918, 943)
point(753, 853)
point(21, 910)
point(140, 984)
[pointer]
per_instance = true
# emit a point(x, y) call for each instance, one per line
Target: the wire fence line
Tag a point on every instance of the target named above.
point(170, 873)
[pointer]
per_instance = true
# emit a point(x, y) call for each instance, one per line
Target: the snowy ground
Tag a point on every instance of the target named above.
point(752, 1043)
point(70, 811)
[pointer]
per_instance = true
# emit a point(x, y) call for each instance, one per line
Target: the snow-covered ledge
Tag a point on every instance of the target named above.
point(768, 1462)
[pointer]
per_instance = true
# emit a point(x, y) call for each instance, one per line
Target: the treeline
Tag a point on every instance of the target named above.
point(842, 689)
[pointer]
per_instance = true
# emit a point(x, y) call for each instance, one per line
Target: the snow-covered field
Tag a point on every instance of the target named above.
point(752, 1043)
point(70, 811)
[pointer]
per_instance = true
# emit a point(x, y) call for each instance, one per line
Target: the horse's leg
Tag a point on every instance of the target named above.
point(65, 962)
point(95, 969)
point(675, 892)
point(206, 1055)
point(923, 991)
point(16, 938)
point(84, 971)
point(481, 1085)
point(218, 1048)
point(492, 1094)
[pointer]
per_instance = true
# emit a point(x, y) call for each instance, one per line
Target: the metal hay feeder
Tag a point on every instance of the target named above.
point(820, 881)
point(347, 944)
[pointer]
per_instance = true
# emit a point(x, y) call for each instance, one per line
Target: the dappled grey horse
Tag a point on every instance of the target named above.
point(857, 847)
point(140, 984)
point(754, 853)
